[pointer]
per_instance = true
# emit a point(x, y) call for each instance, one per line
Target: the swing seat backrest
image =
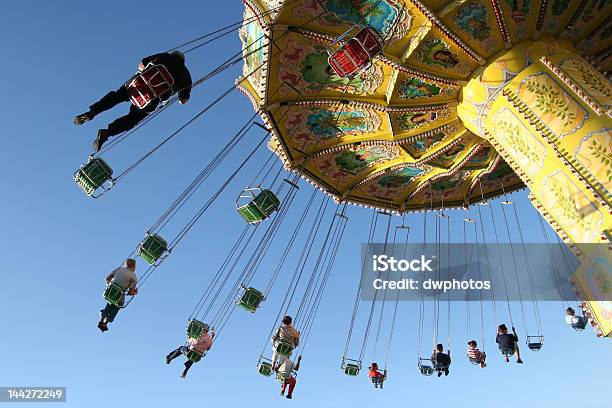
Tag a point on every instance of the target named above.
point(351, 369)
point(426, 370)
point(535, 346)
point(194, 355)
point(93, 175)
point(250, 299)
point(284, 349)
point(195, 329)
point(265, 368)
point(357, 53)
point(152, 248)
point(114, 294)
point(152, 83)
point(507, 352)
point(474, 360)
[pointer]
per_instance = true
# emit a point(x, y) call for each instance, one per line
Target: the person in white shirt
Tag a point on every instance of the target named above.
point(126, 278)
point(577, 322)
point(285, 374)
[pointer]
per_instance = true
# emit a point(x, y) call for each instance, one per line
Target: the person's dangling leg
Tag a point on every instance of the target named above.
point(104, 313)
point(174, 354)
point(291, 383)
point(108, 101)
point(188, 365)
point(119, 125)
point(518, 354)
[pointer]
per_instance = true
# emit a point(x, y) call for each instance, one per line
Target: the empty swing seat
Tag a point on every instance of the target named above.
point(150, 84)
point(114, 294)
point(152, 248)
point(265, 368)
point(93, 175)
point(351, 369)
point(424, 367)
point(250, 299)
point(356, 55)
point(260, 208)
point(193, 355)
point(195, 329)
point(284, 349)
point(535, 343)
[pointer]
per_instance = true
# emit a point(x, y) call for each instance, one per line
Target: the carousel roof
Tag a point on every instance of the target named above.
point(391, 137)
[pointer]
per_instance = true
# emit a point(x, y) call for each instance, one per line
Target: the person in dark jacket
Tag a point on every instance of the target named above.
point(441, 360)
point(175, 64)
point(507, 343)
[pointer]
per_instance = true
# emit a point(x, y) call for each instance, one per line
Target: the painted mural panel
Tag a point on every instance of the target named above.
point(592, 82)
point(252, 38)
point(317, 124)
point(436, 52)
point(555, 107)
point(594, 153)
point(519, 142)
point(566, 202)
point(419, 146)
point(349, 163)
point(393, 184)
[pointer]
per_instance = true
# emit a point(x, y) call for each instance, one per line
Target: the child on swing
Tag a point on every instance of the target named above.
point(376, 376)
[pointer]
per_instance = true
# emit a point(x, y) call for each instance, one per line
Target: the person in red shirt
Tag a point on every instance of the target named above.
point(284, 373)
point(476, 356)
point(376, 376)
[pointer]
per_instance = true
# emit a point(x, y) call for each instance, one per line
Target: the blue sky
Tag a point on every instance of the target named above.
point(58, 245)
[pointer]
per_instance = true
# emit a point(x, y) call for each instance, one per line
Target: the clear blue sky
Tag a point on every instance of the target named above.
point(57, 245)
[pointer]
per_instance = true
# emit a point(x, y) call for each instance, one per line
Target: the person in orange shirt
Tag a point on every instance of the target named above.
point(376, 376)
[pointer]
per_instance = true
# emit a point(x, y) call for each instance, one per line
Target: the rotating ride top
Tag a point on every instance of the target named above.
point(405, 105)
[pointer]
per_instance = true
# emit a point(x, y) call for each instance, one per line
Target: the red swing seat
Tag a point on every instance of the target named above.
point(357, 53)
point(150, 84)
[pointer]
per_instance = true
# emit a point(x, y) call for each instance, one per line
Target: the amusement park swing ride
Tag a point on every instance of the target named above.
point(401, 107)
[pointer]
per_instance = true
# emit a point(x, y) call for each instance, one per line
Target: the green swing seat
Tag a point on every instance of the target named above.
point(260, 208)
point(351, 369)
point(195, 329)
point(250, 299)
point(265, 368)
point(194, 355)
point(284, 349)
point(93, 175)
point(152, 248)
point(114, 294)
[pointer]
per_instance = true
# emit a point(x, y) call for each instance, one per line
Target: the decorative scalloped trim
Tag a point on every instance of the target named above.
point(438, 24)
point(574, 17)
point(501, 23)
point(421, 74)
point(371, 105)
point(541, 15)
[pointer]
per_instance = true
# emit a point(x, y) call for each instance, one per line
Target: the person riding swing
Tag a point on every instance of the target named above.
point(194, 350)
point(159, 77)
point(118, 282)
